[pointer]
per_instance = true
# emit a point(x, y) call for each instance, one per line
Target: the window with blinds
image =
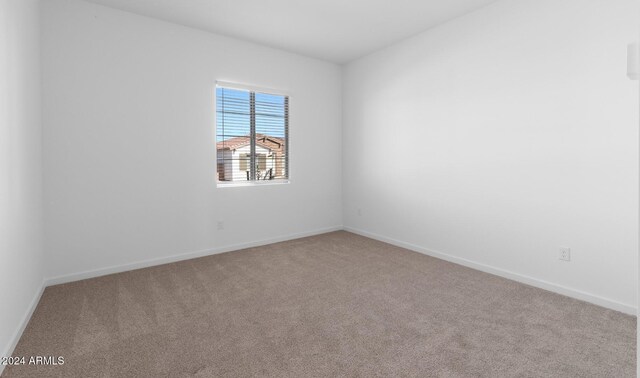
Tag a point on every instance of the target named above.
point(252, 136)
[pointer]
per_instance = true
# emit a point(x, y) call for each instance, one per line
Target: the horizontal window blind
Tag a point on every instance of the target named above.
point(252, 135)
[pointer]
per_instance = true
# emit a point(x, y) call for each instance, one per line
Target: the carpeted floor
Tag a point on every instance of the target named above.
point(326, 306)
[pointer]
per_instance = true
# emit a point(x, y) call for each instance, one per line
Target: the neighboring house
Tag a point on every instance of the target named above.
point(234, 158)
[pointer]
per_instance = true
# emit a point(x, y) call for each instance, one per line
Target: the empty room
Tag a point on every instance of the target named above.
point(281, 188)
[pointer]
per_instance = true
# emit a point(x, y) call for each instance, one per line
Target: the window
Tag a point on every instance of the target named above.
point(252, 136)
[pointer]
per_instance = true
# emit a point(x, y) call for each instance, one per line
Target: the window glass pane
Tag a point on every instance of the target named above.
point(241, 114)
point(271, 136)
point(233, 133)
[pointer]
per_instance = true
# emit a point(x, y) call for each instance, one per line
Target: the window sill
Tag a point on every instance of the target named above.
point(223, 184)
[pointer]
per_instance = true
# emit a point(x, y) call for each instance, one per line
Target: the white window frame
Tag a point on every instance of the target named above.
point(252, 88)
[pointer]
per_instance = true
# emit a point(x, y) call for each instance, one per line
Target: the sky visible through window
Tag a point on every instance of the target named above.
point(233, 112)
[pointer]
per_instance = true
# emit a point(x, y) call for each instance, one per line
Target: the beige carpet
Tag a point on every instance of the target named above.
point(326, 306)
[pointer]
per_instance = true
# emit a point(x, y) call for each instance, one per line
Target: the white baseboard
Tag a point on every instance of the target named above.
point(23, 324)
point(574, 293)
point(179, 257)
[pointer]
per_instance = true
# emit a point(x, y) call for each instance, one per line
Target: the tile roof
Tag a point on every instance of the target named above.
point(275, 144)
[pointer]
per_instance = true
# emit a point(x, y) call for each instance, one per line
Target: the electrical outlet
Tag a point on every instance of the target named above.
point(220, 225)
point(565, 254)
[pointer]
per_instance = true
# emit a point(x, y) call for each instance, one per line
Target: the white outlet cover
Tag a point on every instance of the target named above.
point(565, 254)
point(633, 61)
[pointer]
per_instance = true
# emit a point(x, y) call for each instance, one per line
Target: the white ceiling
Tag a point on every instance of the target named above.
point(334, 30)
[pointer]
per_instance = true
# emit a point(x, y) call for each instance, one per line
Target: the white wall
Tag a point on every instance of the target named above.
point(129, 147)
point(20, 168)
point(524, 129)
